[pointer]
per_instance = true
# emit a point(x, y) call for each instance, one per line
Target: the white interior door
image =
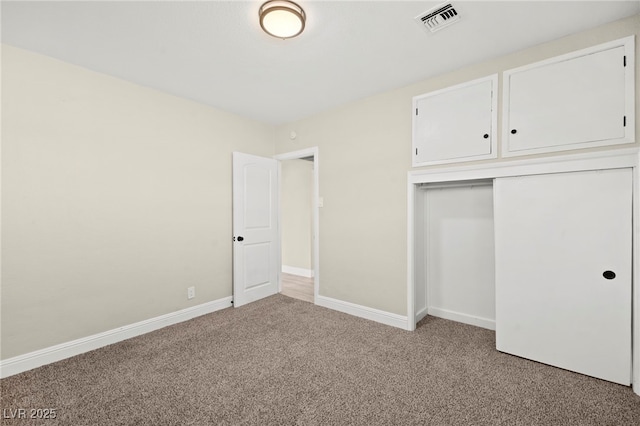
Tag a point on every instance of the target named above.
point(559, 239)
point(256, 251)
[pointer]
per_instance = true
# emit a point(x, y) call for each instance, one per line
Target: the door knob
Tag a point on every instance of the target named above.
point(486, 136)
point(240, 238)
point(514, 131)
point(609, 275)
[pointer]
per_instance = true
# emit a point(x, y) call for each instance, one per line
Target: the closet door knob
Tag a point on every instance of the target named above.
point(486, 136)
point(609, 275)
point(240, 238)
point(514, 131)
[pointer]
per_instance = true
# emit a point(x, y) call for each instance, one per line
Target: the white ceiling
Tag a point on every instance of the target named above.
point(214, 51)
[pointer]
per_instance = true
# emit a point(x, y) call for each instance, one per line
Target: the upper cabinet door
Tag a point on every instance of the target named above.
point(580, 100)
point(456, 124)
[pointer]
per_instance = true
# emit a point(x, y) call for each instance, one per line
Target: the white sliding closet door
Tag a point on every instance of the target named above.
point(559, 239)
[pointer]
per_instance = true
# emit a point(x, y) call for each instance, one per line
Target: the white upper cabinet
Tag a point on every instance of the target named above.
point(579, 100)
point(456, 124)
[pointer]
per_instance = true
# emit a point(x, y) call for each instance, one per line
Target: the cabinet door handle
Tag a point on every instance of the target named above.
point(514, 131)
point(609, 275)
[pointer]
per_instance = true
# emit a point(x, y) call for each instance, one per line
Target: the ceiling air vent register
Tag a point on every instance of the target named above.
point(439, 17)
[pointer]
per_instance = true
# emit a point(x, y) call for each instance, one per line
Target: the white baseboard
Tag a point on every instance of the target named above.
point(372, 314)
point(29, 361)
point(293, 270)
point(463, 318)
point(421, 314)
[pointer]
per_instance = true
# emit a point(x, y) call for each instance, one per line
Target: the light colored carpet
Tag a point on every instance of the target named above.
point(284, 361)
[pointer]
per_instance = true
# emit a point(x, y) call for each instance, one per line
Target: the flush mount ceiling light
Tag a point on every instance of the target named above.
point(282, 19)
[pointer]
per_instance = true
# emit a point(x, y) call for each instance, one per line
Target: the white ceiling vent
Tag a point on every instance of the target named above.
point(439, 17)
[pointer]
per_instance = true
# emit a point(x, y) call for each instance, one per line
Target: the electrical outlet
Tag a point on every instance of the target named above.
point(191, 292)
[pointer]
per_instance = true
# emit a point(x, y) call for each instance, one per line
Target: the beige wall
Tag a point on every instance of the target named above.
point(364, 150)
point(115, 198)
point(296, 182)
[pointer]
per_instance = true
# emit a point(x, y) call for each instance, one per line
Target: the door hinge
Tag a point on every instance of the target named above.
point(624, 61)
point(416, 151)
point(624, 121)
point(416, 111)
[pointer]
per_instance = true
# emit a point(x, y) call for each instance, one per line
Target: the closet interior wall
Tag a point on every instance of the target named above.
point(455, 251)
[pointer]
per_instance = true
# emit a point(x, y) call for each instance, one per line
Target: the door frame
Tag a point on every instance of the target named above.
point(315, 211)
point(611, 159)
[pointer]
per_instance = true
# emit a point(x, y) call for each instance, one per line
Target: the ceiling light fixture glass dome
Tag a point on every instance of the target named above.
point(281, 18)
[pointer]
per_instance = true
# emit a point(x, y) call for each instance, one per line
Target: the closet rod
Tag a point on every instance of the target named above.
point(457, 184)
